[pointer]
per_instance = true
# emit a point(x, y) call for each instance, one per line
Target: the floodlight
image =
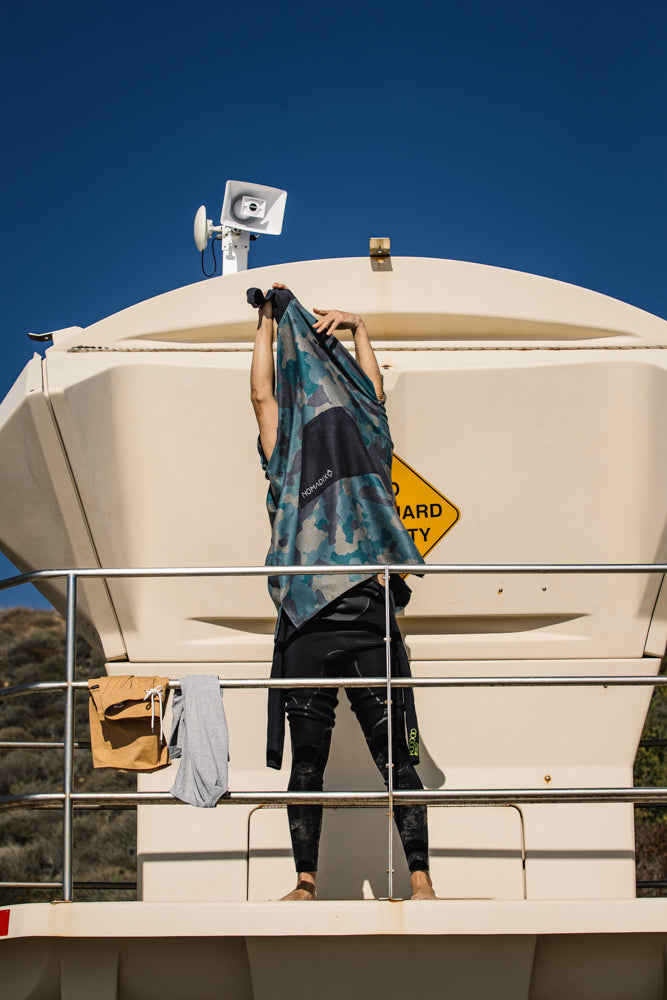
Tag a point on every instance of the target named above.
point(254, 208)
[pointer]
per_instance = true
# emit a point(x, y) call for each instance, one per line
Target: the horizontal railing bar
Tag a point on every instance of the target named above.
point(405, 682)
point(37, 687)
point(86, 745)
point(651, 796)
point(84, 884)
point(593, 680)
point(9, 745)
point(125, 886)
point(371, 568)
point(31, 885)
point(33, 800)
point(77, 885)
point(640, 884)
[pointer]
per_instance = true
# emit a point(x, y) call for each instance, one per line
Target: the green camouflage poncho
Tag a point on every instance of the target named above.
point(330, 498)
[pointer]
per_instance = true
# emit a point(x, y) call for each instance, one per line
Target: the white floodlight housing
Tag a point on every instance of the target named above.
point(254, 208)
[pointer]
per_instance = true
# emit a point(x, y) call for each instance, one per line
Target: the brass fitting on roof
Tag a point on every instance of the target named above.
point(379, 248)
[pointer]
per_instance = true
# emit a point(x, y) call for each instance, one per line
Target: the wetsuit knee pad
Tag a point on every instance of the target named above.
point(305, 757)
point(310, 752)
point(378, 736)
point(309, 736)
point(307, 771)
point(378, 739)
point(406, 776)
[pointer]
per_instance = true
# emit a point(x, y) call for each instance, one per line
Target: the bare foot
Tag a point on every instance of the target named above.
point(422, 887)
point(305, 889)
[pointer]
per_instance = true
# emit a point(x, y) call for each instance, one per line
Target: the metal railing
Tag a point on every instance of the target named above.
point(67, 800)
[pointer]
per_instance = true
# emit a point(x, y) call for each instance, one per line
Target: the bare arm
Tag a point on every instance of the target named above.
point(262, 382)
point(334, 319)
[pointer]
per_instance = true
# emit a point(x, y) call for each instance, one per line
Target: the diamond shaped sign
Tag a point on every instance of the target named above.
point(425, 512)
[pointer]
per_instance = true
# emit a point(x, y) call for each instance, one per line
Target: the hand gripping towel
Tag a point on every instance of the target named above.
point(199, 737)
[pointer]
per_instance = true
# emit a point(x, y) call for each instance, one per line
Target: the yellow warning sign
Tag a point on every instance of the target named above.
point(425, 512)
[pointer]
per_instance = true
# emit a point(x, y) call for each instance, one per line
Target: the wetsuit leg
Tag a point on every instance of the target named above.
point(367, 658)
point(343, 649)
point(312, 714)
point(311, 740)
point(411, 821)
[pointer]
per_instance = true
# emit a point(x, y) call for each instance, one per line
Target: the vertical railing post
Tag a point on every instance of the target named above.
point(390, 741)
point(68, 756)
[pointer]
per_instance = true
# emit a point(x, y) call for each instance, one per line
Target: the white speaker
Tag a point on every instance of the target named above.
point(254, 208)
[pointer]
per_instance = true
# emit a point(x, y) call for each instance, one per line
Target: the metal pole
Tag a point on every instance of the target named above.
point(68, 756)
point(390, 741)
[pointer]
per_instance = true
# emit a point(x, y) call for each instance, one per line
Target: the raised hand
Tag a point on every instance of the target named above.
point(334, 319)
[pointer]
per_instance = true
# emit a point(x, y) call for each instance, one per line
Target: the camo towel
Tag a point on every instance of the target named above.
point(330, 498)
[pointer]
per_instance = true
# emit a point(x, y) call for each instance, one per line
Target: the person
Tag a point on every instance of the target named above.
point(325, 448)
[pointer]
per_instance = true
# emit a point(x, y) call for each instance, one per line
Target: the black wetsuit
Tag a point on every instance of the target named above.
point(330, 500)
point(346, 639)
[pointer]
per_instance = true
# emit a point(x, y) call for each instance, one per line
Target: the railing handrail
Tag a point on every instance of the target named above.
point(350, 800)
point(68, 799)
point(94, 572)
point(253, 683)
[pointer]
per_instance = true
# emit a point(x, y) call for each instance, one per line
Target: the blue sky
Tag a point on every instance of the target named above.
point(528, 135)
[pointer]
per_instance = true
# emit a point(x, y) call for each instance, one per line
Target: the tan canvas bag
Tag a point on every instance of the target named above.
point(126, 722)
